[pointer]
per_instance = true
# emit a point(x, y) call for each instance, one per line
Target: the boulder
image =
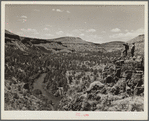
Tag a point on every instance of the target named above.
point(96, 85)
point(109, 79)
point(14, 80)
point(115, 90)
point(26, 86)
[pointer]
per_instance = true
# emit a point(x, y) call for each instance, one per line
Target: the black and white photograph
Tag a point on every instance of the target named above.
point(74, 60)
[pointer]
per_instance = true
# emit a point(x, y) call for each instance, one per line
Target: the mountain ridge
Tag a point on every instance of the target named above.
point(113, 46)
point(72, 44)
point(66, 44)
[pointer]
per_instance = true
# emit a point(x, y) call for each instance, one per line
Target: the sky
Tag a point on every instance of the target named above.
point(93, 23)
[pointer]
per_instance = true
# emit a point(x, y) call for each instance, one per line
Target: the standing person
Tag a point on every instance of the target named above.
point(132, 49)
point(126, 49)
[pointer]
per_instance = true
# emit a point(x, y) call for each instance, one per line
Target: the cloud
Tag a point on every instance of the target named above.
point(103, 32)
point(140, 31)
point(93, 38)
point(29, 30)
point(59, 32)
point(82, 34)
point(36, 32)
point(24, 17)
point(68, 11)
point(68, 34)
point(49, 25)
point(36, 10)
point(78, 30)
point(57, 10)
point(90, 36)
point(91, 30)
point(128, 35)
point(115, 30)
point(49, 35)
point(126, 30)
point(22, 20)
point(46, 29)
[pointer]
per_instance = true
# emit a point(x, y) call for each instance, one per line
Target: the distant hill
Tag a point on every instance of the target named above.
point(112, 46)
point(118, 45)
point(63, 44)
point(138, 39)
point(7, 32)
point(69, 44)
point(10, 36)
point(139, 44)
point(68, 39)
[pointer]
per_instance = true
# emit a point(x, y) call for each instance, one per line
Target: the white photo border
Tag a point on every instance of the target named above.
point(69, 115)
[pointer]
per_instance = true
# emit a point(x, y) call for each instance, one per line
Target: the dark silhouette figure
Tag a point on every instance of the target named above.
point(126, 49)
point(132, 49)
